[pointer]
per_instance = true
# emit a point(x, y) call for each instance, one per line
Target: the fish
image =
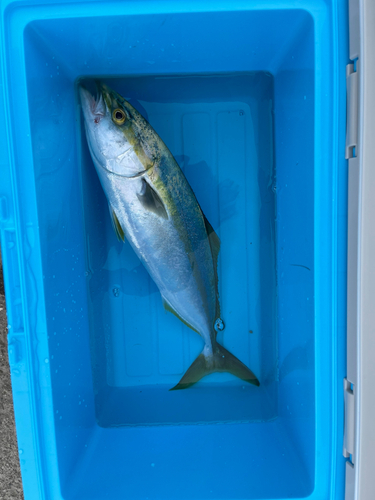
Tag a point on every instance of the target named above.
point(152, 205)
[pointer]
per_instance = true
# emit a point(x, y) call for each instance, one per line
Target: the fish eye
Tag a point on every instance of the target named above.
point(118, 116)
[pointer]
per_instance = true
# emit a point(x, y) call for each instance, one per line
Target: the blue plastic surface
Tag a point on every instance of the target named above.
point(250, 98)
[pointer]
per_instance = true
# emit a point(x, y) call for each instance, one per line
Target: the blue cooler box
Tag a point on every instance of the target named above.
point(250, 98)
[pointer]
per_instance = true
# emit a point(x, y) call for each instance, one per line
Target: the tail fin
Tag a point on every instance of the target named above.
point(220, 360)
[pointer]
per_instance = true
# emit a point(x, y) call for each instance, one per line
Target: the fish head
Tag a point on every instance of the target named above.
point(120, 140)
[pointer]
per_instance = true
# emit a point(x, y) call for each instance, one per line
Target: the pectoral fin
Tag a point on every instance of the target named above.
point(151, 201)
point(116, 224)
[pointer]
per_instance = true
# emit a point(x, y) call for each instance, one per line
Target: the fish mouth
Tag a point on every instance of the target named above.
point(93, 106)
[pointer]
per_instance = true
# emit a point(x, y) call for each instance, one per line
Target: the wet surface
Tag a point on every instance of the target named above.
point(10, 477)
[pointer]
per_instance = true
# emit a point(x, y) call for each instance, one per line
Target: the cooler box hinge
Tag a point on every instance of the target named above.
point(349, 424)
point(351, 110)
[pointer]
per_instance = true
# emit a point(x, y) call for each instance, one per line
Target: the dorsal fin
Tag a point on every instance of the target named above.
point(169, 308)
point(116, 224)
point(214, 240)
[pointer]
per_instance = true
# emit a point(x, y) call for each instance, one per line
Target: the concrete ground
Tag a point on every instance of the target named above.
point(10, 477)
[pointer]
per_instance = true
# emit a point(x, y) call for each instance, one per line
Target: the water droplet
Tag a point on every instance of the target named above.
point(152, 465)
point(116, 292)
point(20, 452)
point(46, 361)
point(241, 113)
point(219, 325)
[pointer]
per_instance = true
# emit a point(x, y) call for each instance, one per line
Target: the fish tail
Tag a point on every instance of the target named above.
point(219, 360)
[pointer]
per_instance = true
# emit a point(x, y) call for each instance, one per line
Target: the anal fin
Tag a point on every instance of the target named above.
point(169, 308)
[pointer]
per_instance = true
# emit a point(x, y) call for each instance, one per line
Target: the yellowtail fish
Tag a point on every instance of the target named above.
point(153, 206)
